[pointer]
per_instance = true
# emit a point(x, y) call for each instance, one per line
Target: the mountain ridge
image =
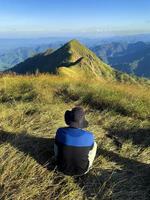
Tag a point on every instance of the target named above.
point(69, 55)
point(70, 59)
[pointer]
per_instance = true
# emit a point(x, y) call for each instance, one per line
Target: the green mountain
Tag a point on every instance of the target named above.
point(131, 58)
point(72, 54)
point(71, 59)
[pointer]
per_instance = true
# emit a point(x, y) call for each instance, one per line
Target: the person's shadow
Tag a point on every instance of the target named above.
point(98, 183)
point(40, 149)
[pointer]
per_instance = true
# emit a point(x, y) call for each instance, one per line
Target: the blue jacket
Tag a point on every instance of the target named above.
point(73, 146)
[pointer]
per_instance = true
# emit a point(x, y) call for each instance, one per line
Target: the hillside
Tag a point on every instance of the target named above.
point(71, 59)
point(132, 58)
point(72, 54)
point(31, 110)
point(14, 56)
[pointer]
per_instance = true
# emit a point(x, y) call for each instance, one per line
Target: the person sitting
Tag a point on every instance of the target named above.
point(74, 148)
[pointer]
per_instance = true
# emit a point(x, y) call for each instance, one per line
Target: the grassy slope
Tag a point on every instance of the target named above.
point(32, 108)
point(78, 57)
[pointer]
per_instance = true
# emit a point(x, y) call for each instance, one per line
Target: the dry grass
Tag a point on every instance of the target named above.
point(32, 108)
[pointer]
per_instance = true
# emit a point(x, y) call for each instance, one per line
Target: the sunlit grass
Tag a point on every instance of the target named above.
point(31, 110)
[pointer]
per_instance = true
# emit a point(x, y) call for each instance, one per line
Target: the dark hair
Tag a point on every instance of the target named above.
point(68, 117)
point(76, 118)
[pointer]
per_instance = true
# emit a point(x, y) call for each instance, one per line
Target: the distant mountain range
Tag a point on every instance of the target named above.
point(10, 58)
point(131, 58)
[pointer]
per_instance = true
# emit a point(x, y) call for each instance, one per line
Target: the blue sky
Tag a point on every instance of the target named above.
point(26, 18)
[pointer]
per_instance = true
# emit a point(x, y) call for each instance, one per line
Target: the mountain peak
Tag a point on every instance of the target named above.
point(73, 42)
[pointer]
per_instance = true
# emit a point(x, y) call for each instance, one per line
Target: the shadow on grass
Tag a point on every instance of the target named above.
point(137, 136)
point(132, 181)
point(40, 149)
point(97, 184)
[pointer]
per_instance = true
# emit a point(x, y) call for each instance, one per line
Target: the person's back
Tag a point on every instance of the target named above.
point(75, 147)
